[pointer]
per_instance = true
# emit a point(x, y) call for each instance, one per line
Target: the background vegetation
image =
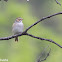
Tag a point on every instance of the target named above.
point(28, 49)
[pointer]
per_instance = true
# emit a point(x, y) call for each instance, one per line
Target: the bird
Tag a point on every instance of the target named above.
point(17, 27)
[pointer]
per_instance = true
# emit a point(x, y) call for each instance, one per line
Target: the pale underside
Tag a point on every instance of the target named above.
point(17, 28)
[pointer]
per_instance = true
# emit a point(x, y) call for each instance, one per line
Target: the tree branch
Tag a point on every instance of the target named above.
point(10, 37)
point(58, 2)
point(44, 39)
point(42, 20)
point(25, 32)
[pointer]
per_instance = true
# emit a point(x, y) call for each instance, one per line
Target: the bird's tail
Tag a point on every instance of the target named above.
point(16, 39)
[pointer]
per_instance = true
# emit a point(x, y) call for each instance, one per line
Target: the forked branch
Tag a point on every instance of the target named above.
point(25, 32)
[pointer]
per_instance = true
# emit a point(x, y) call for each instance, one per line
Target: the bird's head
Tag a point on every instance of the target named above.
point(19, 19)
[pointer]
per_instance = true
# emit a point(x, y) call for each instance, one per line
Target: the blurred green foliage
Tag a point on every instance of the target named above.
point(27, 49)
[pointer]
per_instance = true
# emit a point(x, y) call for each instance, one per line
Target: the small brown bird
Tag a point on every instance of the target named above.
point(17, 27)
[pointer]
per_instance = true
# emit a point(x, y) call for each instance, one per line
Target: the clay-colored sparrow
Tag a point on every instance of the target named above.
point(17, 27)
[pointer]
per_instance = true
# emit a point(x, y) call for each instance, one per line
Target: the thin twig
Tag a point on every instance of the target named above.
point(41, 55)
point(58, 2)
point(47, 55)
point(42, 20)
point(44, 39)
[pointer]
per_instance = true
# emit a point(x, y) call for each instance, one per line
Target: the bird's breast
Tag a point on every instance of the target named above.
point(18, 28)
